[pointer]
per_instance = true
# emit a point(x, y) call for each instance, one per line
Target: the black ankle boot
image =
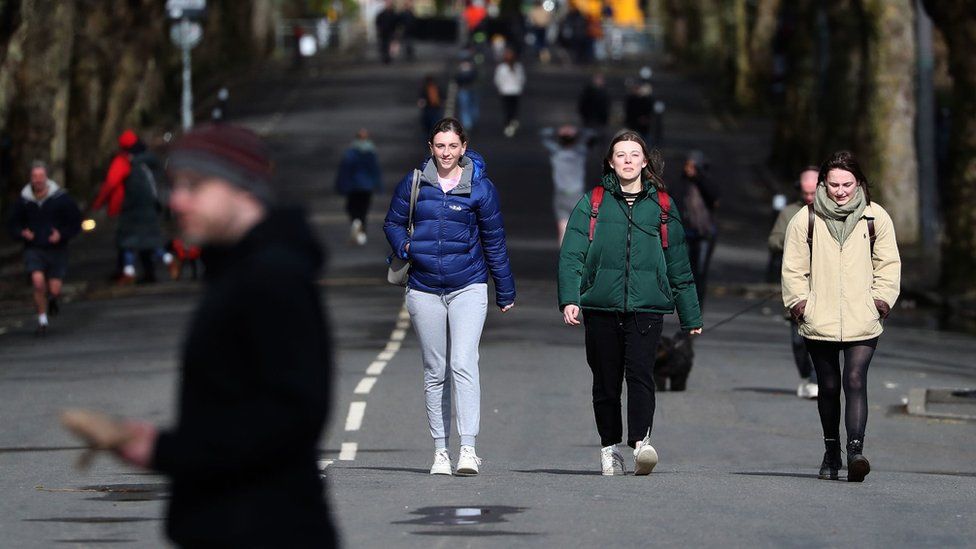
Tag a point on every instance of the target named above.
point(858, 466)
point(831, 460)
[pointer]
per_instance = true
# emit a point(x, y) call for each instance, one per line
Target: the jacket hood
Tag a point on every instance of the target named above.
point(53, 189)
point(473, 168)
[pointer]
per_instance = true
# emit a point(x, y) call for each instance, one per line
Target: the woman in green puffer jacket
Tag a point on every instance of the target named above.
point(624, 282)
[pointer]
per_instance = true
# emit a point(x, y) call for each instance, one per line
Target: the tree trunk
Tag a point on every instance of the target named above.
point(745, 95)
point(892, 163)
point(957, 21)
point(761, 45)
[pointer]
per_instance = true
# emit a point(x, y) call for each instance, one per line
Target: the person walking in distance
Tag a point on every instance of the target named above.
point(466, 78)
point(701, 230)
point(807, 186)
point(386, 27)
point(256, 367)
point(841, 277)
point(510, 82)
point(567, 153)
point(457, 239)
point(357, 179)
point(45, 218)
point(623, 265)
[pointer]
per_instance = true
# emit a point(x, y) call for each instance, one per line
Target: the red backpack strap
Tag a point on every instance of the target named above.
point(596, 198)
point(665, 201)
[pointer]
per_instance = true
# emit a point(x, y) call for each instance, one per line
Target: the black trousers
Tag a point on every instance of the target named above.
point(510, 106)
point(357, 205)
point(622, 346)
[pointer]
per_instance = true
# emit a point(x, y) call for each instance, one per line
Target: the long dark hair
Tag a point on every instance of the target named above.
point(448, 124)
point(654, 172)
point(845, 160)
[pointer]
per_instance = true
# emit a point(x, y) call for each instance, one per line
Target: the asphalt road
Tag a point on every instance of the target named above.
point(739, 453)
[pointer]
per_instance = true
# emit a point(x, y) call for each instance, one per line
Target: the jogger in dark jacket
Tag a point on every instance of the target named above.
point(45, 219)
point(457, 239)
point(623, 282)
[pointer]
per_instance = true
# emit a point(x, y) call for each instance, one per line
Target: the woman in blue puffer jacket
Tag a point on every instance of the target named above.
point(458, 239)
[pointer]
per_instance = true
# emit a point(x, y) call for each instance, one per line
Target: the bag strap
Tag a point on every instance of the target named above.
point(664, 199)
point(596, 198)
point(414, 192)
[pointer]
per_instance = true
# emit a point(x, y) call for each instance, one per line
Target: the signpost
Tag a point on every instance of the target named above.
point(186, 34)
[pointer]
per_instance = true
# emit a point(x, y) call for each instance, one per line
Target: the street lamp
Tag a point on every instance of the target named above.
point(186, 33)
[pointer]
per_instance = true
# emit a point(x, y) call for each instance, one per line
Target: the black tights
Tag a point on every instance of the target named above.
point(826, 360)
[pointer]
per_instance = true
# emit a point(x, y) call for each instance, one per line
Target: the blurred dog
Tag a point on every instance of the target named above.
point(675, 357)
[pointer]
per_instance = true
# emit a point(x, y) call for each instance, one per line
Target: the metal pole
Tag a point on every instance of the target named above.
point(925, 133)
point(187, 80)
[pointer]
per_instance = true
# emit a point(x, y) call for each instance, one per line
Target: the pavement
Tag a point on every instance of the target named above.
point(739, 452)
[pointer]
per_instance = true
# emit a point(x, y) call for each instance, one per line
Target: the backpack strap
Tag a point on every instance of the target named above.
point(414, 192)
point(871, 234)
point(596, 198)
point(812, 216)
point(665, 201)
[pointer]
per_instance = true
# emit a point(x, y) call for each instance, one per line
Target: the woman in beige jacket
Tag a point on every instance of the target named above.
point(840, 286)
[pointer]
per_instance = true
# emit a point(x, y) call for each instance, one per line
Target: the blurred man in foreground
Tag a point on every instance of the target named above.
point(256, 360)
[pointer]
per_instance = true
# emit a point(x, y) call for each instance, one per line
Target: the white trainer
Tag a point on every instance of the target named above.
point(612, 461)
point(645, 456)
point(468, 461)
point(355, 228)
point(801, 389)
point(442, 463)
point(813, 390)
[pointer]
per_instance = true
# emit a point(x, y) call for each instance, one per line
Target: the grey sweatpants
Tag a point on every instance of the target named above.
point(449, 328)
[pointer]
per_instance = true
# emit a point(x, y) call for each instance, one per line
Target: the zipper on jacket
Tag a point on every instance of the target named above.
point(840, 284)
point(630, 215)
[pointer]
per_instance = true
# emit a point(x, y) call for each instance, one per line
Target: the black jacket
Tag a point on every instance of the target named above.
point(254, 398)
point(57, 211)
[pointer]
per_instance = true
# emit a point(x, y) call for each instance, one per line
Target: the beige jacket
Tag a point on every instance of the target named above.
point(844, 282)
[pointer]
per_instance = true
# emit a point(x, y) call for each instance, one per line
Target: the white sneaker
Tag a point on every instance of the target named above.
point(442, 463)
point(361, 238)
point(354, 229)
point(468, 461)
point(807, 390)
point(612, 461)
point(645, 457)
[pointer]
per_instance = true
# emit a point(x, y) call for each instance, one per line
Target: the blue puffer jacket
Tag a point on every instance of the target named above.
point(458, 236)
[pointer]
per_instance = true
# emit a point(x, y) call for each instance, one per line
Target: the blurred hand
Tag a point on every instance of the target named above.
point(797, 311)
point(883, 308)
point(27, 234)
point(507, 308)
point(55, 237)
point(695, 332)
point(140, 443)
point(571, 315)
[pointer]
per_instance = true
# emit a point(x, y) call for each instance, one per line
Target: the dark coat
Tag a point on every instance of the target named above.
point(139, 221)
point(254, 397)
point(359, 170)
point(458, 237)
point(57, 211)
point(594, 106)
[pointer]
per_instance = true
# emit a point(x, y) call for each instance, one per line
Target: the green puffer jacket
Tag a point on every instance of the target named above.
point(625, 268)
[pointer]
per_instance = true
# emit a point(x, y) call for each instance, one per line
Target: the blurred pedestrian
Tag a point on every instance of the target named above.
point(256, 360)
point(430, 101)
point(623, 265)
point(639, 105)
point(510, 82)
point(407, 29)
point(807, 187)
point(567, 148)
point(466, 78)
point(45, 218)
point(841, 277)
point(131, 191)
point(357, 179)
point(540, 19)
point(701, 230)
point(593, 105)
point(573, 34)
point(386, 27)
point(456, 240)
